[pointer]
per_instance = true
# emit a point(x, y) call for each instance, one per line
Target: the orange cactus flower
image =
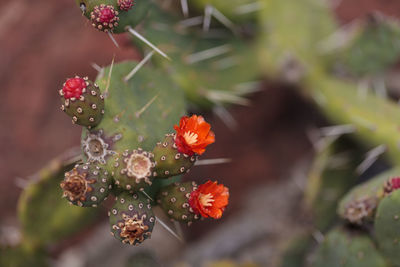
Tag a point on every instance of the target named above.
point(193, 135)
point(209, 199)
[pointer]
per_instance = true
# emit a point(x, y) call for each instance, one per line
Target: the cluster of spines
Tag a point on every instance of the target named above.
point(170, 161)
point(131, 218)
point(86, 185)
point(82, 101)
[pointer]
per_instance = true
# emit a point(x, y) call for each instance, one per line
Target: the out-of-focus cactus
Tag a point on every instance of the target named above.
point(372, 49)
point(387, 227)
point(352, 249)
point(330, 177)
point(44, 216)
point(20, 257)
point(361, 202)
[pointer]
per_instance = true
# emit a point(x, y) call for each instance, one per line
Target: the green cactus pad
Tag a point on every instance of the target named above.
point(131, 218)
point(86, 185)
point(139, 111)
point(387, 227)
point(174, 198)
point(347, 249)
point(218, 80)
point(373, 49)
point(20, 257)
point(131, 18)
point(234, 10)
point(134, 169)
point(361, 202)
point(170, 161)
point(88, 109)
point(45, 217)
point(330, 177)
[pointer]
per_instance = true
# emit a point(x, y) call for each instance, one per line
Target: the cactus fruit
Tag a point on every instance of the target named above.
point(125, 5)
point(86, 185)
point(187, 202)
point(104, 18)
point(391, 185)
point(387, 227)
point(174, 200)
point(170, 161)
point(134, 169)
point(45, 217)
point(131, 218)
point(348, 249)
point(114, 15)
point(82, 101)
point(359, 205)
point(177, 152)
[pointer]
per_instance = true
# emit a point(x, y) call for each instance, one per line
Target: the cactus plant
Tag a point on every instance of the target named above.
point(124, 151)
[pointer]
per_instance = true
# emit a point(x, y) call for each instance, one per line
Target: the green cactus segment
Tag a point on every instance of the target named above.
point(131, 218)
point(374, 49)
point(295, 254)
point(280, 49)
point(139, 111)
point(45, 217)
point(236, 10)
point(174, 198)
point(331, 176)
point(170, 161)
point(387, 227)
point(361, 202)
point(347, 249)
point(88, 109)
point(134, 169)
point(207, 81)
point(20, 257)
point(86, 185)
point(131, 18)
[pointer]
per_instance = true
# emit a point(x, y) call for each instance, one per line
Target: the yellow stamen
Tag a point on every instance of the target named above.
point(190, 137)
point(206, 200)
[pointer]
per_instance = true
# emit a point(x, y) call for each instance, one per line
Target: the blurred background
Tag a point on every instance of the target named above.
point(271, 148)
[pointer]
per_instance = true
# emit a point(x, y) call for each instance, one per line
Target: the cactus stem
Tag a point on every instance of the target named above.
point(191, 22)
point(185, 8)
point(209, 53)
point(212, 161)
point(145, 107)
point(208, 10)
point(113, 39)
point(370, 158)
point(147, 42)
point(139, 66)
point(248, 8)
point(166, 227)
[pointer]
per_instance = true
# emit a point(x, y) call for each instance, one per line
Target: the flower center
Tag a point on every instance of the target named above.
point(206, 200)
point(190, 137)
